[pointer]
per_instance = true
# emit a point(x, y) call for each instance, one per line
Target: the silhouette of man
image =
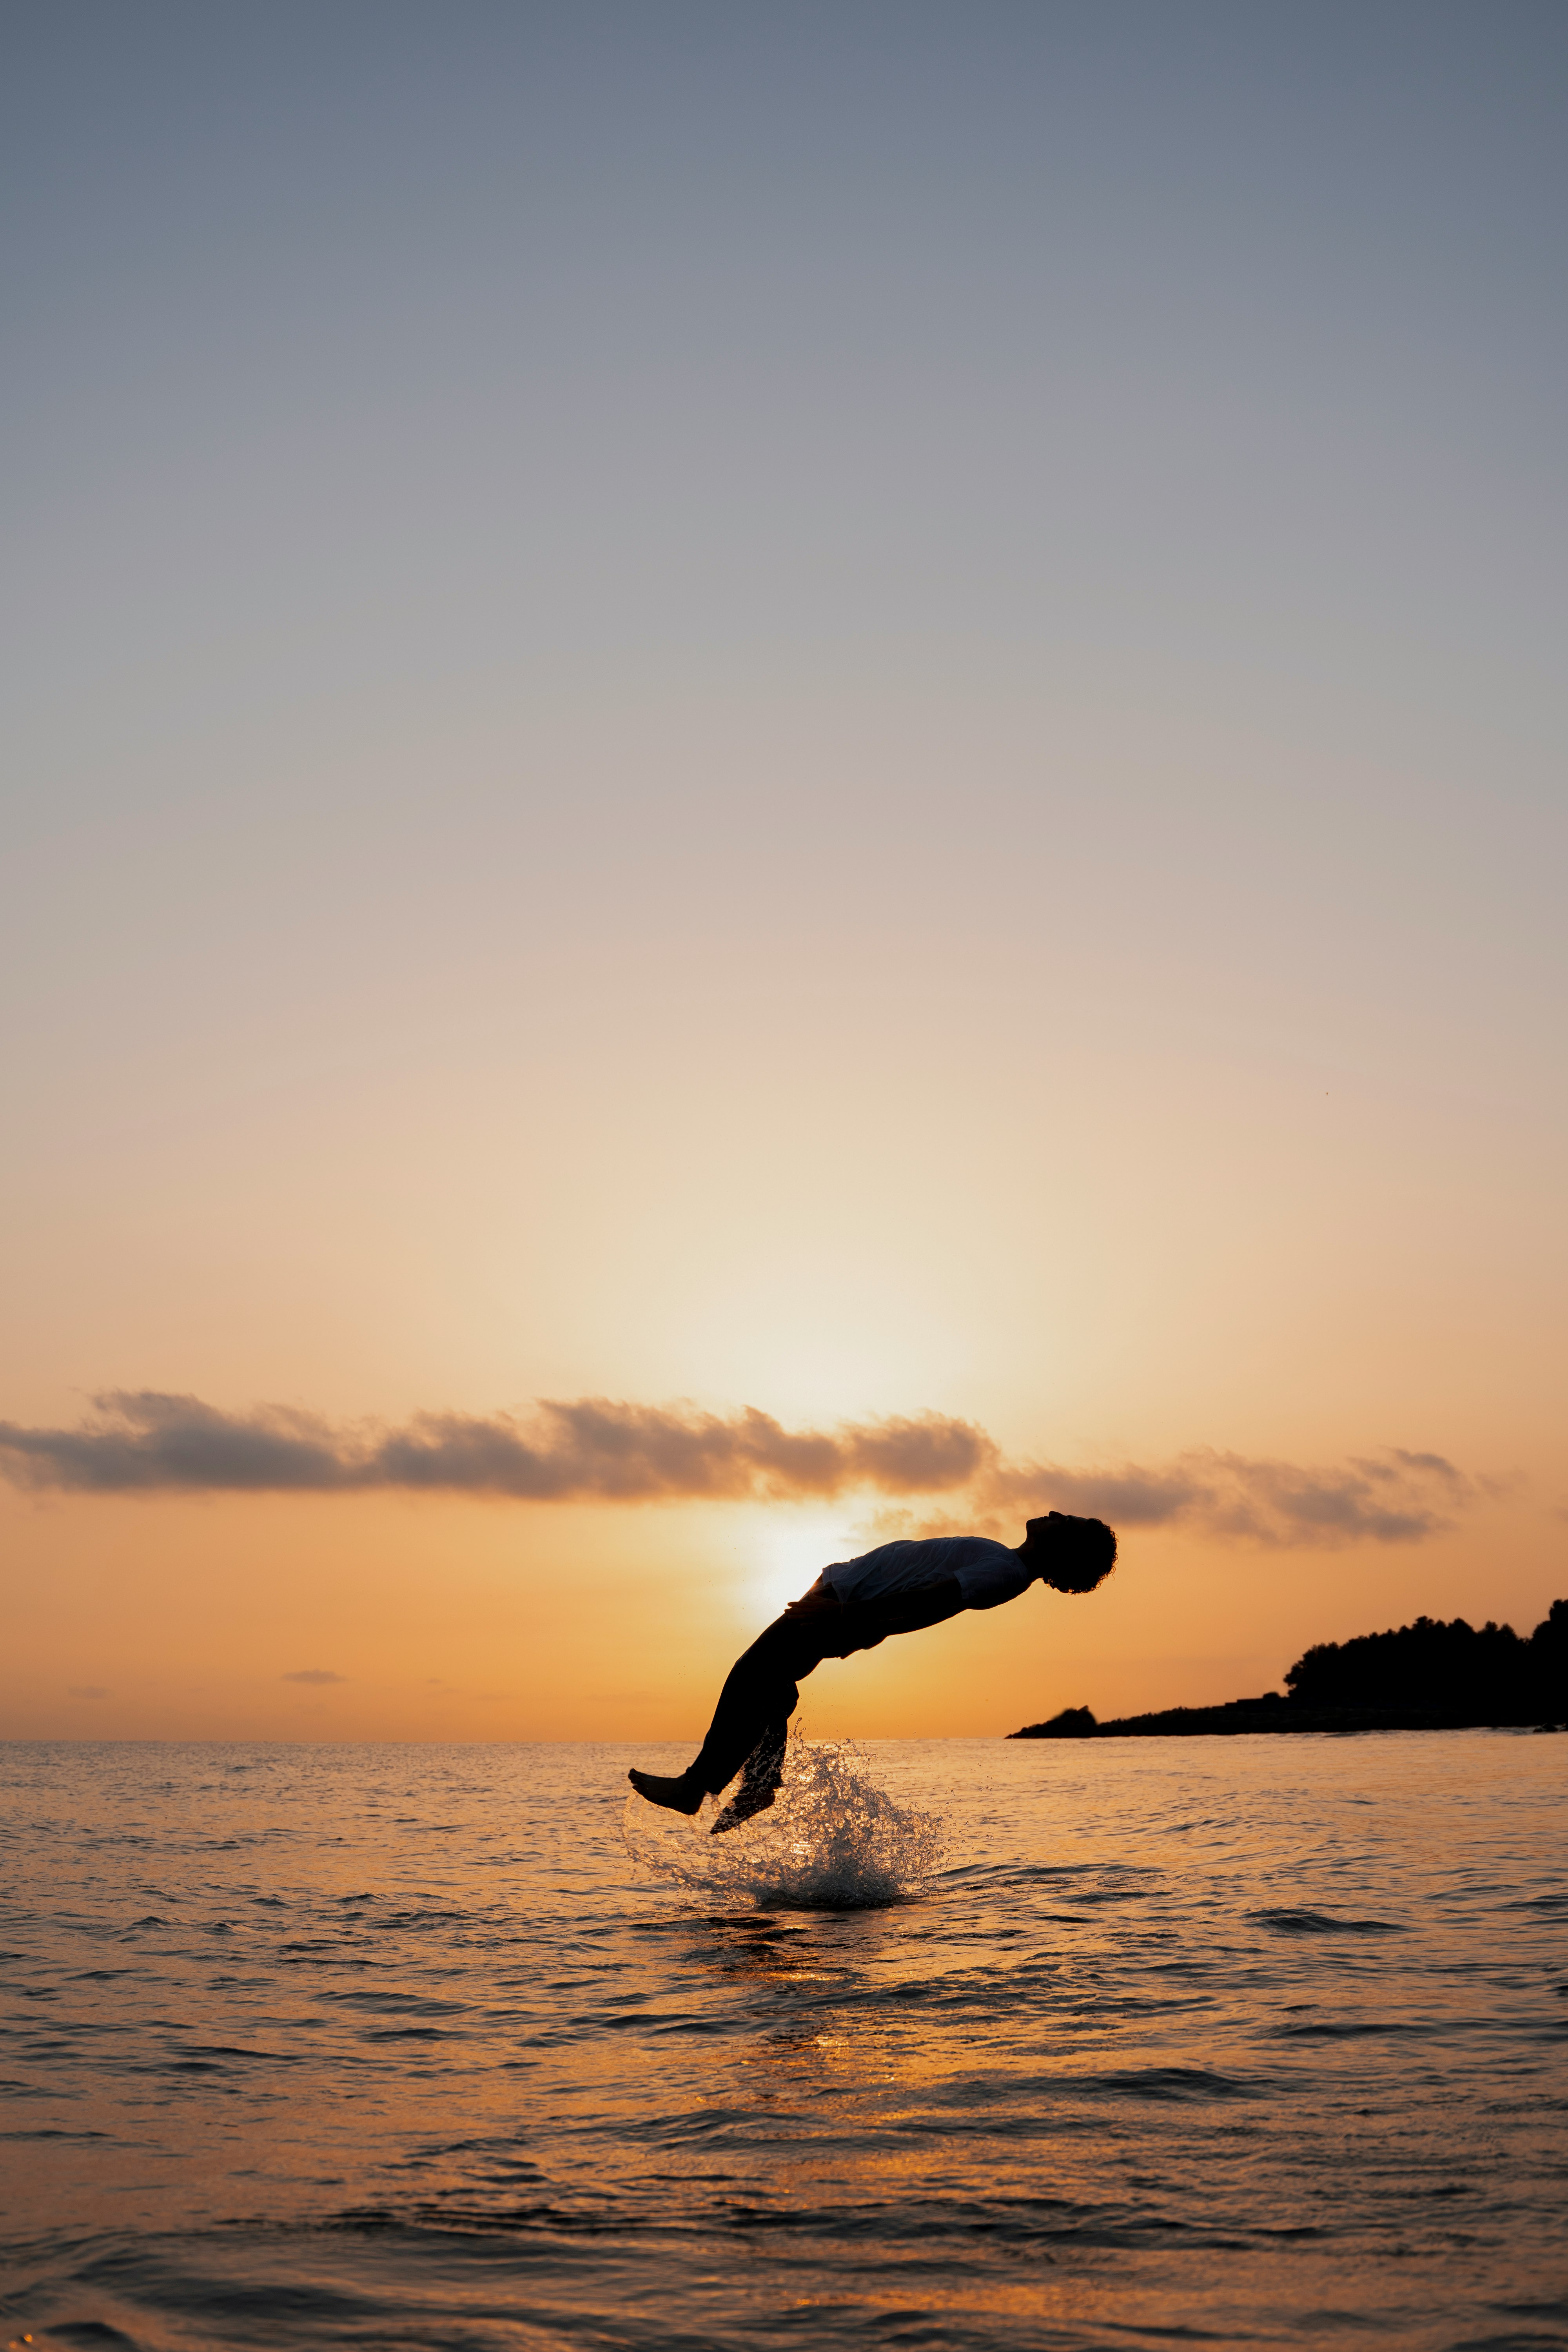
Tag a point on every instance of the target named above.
point(899, 1587)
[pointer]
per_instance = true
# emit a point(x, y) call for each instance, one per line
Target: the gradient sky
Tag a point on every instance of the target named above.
point(854, 711)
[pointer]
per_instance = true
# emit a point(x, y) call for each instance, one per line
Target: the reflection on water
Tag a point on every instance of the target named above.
point(1248, 2039)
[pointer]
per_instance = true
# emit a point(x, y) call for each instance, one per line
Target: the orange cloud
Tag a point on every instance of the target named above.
point(1391, 1497)
point(143, 1442)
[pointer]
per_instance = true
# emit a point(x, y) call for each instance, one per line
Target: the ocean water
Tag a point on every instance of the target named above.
point(1240, 2041)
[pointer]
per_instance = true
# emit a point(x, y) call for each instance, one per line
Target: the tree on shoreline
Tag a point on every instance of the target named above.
point(1443, 1668)
point(1430, 1675)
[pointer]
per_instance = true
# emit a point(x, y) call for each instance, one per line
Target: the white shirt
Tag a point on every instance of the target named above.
point(987, 1572)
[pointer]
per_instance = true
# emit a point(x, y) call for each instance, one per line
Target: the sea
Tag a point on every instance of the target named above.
point(966, 2044)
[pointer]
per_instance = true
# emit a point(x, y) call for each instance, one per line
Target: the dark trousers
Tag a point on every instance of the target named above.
point(760, 1689)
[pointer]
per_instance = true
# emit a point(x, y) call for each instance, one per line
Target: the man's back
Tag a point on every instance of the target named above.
point(984, 1572)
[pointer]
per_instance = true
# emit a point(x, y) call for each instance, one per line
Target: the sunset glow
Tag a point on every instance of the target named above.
point(807, 735)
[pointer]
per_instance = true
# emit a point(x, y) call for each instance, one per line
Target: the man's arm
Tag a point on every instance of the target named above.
point(862, 1624)
point(995, 1594)
point(912, 1613)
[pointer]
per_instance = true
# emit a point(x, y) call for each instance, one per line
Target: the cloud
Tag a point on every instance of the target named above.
point(86, 1690)
point(1391, 1497)
point(313, 1675)
point(144, 1442)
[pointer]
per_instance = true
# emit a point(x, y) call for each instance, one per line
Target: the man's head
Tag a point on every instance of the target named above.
point(1072, 1555)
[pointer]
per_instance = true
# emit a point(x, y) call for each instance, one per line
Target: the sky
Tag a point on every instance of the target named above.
point(775, 776)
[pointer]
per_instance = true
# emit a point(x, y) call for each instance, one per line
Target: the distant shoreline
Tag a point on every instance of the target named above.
point(1281, 1718)
point(1427, 1676)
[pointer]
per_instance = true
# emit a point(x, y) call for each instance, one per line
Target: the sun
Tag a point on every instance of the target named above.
point(791, 1547)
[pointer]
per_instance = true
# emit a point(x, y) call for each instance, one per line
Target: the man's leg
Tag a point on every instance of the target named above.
point(838, 1634)
point(760, 1692)
point(759, 1696)
point(760, 1778)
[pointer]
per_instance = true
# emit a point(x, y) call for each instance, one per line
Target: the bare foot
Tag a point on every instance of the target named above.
point(681, 1795)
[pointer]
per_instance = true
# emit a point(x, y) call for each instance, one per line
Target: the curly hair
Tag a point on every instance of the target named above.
point(1082, 1551)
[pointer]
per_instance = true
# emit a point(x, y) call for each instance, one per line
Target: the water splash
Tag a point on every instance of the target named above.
point(833, 1840)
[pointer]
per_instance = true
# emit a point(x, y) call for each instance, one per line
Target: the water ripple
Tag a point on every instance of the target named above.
point(1029, 2048)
